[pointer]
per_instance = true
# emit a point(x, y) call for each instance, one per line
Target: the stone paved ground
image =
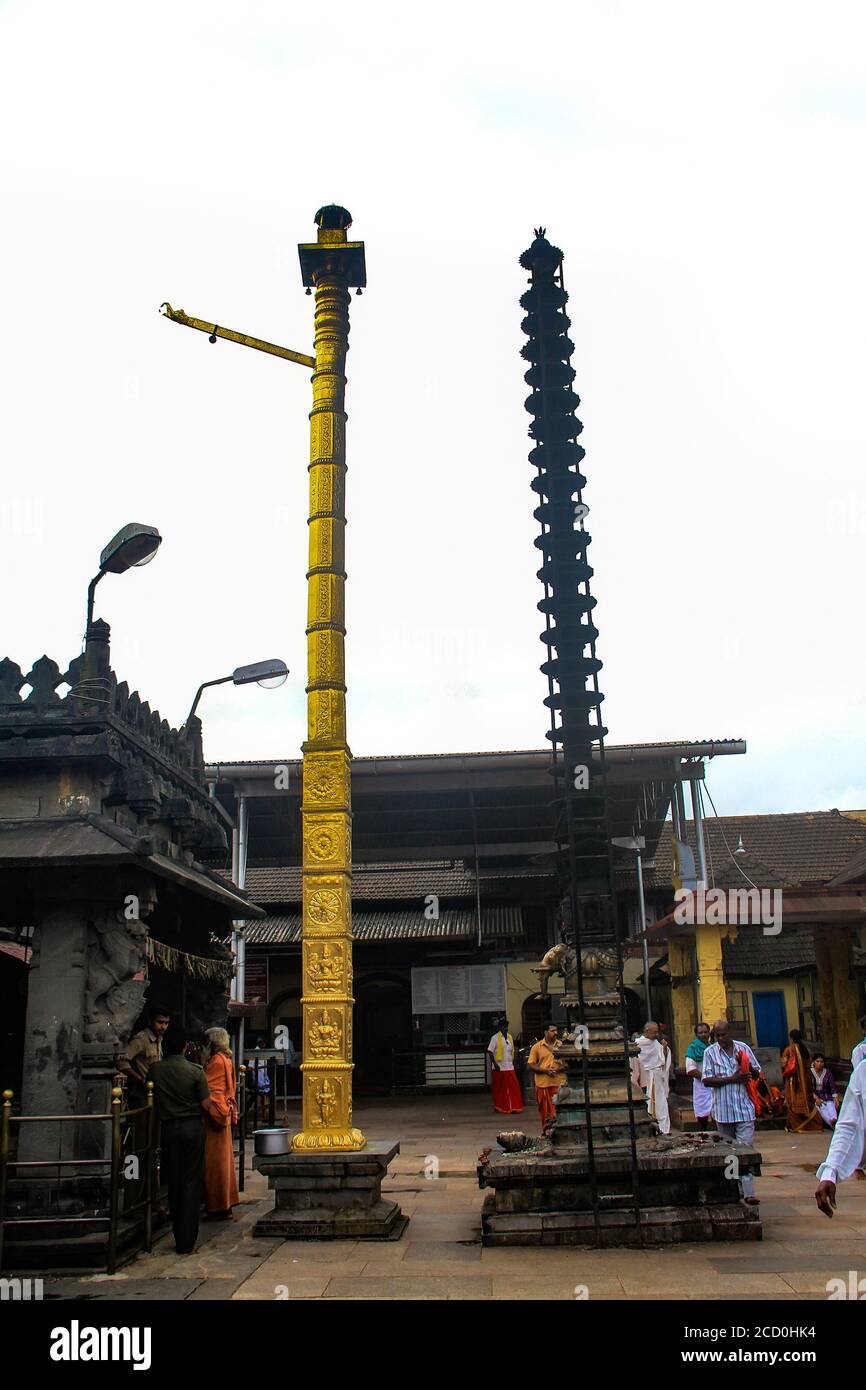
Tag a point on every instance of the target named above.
point(440, 1255)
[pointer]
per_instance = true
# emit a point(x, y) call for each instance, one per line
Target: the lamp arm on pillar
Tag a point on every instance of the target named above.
point(91, 591)
point(231, 335)
point(204, 686)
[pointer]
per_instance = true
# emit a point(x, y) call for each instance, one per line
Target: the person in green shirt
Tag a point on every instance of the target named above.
point(180, 1095)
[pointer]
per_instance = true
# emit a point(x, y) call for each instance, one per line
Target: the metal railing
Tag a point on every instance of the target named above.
point(49, 1170)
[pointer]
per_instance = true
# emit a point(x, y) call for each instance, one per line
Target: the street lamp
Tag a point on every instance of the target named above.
point(134, 545)
point(267, 674)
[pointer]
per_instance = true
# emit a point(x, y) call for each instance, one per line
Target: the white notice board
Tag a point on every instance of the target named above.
point(458, 989)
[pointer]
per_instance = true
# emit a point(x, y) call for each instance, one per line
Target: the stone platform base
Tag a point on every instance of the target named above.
point(331, 1196)
point(683, 1191)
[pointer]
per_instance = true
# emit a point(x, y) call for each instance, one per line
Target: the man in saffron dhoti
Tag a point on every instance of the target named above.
point(845, 1155)
point(507, 1098)
point(652, 1071)
point(550, 1072)
point(702, 1096)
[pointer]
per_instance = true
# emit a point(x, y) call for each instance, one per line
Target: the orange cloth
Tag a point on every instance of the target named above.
point(544, 1099)
point(802, 1113)
point(541, 1055)
point(220, 1180)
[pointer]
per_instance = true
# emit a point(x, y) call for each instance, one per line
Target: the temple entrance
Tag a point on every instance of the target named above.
point(383, 1027)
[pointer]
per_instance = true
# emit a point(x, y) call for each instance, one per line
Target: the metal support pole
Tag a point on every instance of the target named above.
point(698, 814)
point(675, 817)
point(114, 1200)
point(242, 1124)
point(477, 873)
point(681, 811)
point(642, 911)
point(150, 1160)
point(4, 1163)
point(240, 939)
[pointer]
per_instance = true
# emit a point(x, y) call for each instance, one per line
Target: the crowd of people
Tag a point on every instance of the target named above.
point(195, 1098)
point(729, 1090)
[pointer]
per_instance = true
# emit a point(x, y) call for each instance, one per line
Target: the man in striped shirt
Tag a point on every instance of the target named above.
point(733, 1110)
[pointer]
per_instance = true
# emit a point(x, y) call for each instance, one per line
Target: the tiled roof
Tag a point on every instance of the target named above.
point(753, 955)
point(381, 882)
point(451, 925)
point(797, 847)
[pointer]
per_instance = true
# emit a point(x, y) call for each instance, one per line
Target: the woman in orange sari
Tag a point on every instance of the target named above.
point(221, 1112)
point(803, 1114)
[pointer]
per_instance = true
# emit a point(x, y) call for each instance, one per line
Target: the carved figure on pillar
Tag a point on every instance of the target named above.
point(113, 996)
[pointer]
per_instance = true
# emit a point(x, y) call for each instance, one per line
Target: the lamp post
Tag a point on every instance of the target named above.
point(268, 674)
point(133, 546)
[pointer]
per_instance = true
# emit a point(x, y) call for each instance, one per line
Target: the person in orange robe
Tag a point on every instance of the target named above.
point(799, 1088)
point(221, 1112)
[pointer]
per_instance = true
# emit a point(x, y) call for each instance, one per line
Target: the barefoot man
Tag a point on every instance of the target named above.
point(549, 1074)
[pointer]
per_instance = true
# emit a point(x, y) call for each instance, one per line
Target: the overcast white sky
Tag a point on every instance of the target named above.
point(702, 167)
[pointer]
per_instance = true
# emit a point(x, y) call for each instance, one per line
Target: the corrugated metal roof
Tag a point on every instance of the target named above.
point(458, 924)
point(270, 763)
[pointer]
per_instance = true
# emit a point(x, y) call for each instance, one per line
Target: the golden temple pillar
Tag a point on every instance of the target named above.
point(712, 995)
point(330, 266)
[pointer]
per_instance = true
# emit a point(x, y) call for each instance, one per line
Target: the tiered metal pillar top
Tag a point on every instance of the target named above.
point(572, 667)
point(330, 266)
point(598, 1078)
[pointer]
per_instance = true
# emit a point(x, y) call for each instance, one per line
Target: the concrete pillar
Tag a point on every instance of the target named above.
point(712, 995)
point(53, 1029)
point(682, 995)
point(837, 989)
point(828, 1031)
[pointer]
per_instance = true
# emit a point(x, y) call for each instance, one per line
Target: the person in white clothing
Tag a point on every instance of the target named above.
point(702, 1096)
point(651, 1070)
point(845, 1154)
point(859, 1053)
point(507, 1096)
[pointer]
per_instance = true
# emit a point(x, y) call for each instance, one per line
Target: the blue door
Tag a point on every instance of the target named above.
point(771, 1019)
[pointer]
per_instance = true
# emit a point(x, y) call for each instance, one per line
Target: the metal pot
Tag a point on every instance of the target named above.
point(271, 1141)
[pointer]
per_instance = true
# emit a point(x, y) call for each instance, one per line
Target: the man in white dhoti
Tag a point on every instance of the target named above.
point(702, 1096)
point(846, 1152)
point(859, 1053)
point(652, 1071)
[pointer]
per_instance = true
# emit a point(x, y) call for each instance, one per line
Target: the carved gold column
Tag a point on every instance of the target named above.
point(330, 266)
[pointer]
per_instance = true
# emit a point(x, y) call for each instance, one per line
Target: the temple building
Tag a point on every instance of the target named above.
point(105, 907)
point(455, 901)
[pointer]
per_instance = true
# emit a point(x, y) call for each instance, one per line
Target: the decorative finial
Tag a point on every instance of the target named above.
point(333, 218)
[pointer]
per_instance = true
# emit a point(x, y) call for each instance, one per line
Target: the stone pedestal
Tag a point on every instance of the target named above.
point(685, 1192)
point(330, 1196)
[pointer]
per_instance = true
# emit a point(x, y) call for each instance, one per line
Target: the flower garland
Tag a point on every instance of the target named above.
point(171, 959)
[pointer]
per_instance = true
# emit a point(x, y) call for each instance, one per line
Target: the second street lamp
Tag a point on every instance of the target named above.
point(268, 674)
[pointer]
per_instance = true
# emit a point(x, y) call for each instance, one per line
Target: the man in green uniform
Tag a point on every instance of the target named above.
point(180, 1094)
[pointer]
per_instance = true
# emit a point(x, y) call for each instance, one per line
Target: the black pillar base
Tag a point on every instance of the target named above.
point(331, 1196)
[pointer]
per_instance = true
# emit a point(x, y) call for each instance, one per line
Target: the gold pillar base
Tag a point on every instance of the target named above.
point(324, 1140)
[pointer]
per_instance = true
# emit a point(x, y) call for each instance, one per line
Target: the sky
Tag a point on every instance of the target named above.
point(701, 167)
